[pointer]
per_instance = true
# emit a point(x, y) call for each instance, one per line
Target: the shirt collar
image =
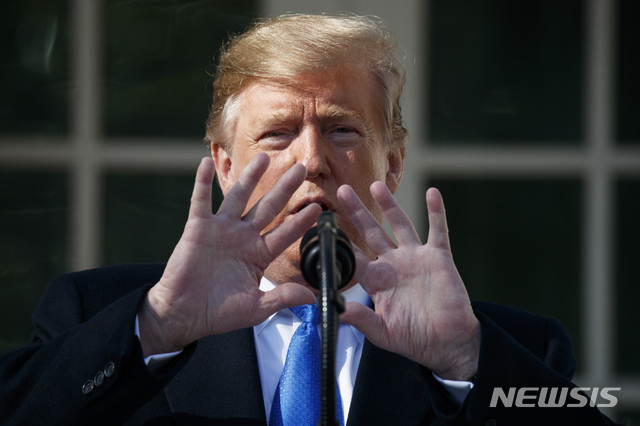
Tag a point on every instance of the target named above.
point(354, 294)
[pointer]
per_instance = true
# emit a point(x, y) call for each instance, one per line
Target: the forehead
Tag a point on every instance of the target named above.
point(349, 93)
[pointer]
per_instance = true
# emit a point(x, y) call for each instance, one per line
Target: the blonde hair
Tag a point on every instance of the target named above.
point(288, 46)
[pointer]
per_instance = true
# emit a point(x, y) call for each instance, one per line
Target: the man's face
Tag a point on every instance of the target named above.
point(329, 122)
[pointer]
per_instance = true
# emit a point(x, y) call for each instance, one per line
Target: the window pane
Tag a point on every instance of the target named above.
point(158, 55)
point(518, 243)
point(33, 249)
point(505, 71)
point(145, 215)
point(627, 274)
point(628, 71)
point(34, 67)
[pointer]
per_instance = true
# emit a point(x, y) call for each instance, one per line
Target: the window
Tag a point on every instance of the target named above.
point(505, 72)
point(101, 126)
point(525, 114)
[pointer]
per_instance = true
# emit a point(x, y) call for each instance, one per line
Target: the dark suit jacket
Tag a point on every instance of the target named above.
point(85, 321)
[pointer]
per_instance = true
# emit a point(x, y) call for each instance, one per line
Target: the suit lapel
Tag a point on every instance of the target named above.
point(389, 389)
point(221, 381)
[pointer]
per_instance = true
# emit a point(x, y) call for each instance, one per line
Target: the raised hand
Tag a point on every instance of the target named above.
point(422, 310)
point(210, 284)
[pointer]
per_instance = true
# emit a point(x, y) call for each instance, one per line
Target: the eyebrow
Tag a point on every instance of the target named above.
point(278, 117)
point(336, 111)
point(330, 112)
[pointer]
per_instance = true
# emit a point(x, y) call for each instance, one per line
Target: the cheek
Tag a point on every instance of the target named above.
point(371, 204)
point(264, 185)
point(368, 168)
point(370, 159)
point(275, 170)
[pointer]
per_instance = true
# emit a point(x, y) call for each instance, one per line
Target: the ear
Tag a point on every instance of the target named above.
point(222, 160)
point(396, 168)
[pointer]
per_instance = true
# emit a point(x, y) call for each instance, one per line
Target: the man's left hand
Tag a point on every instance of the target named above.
point(422, 310)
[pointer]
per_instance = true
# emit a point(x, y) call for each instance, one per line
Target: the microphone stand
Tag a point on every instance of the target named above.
point(327, 263)
point(330, 303)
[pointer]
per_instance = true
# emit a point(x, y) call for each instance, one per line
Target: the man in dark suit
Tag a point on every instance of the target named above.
point(306, 117)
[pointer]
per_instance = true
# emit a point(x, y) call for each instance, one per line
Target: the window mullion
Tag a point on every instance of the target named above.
point(86, 168)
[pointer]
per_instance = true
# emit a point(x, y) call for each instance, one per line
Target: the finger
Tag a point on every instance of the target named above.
point(368, 227)
point(438, 231)
point(400, 223)
point(281, 237)
point(201, 196)
point(364, 319)
point(274, 201)
point(285, 296)
point(238, 196)
point(374, 276)
point(362, 263)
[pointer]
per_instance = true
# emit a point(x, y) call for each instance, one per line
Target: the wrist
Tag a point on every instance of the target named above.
point(157, 330)
point(463, 364)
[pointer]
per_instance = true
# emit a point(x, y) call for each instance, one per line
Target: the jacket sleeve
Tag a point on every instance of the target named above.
point(518, 350)
point(80, 367)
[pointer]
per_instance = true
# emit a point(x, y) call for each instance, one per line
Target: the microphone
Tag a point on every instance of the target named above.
point(327, 263)
point(310, 264)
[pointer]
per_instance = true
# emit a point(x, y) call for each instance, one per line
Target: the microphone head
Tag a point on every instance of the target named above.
point(310, 254)
point(327, 219)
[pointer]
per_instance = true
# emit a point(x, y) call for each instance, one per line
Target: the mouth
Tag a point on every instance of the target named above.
point(324, 207)
point(325, 204)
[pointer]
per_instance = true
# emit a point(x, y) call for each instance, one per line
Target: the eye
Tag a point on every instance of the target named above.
point(276, 139)
point(272, 134)
point(344, 136)
point(344, 130)
point(276, 134)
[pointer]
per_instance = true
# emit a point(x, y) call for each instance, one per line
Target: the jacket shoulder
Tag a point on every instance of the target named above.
point(507, 316)
point(544, 337)
point(94, 289)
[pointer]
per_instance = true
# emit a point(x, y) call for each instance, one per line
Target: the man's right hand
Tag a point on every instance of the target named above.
point(210, 284)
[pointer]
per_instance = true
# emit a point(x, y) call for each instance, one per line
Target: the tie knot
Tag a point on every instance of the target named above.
point(307, 313)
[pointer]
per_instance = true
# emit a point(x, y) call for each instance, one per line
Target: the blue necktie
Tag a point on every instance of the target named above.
point(297, 398)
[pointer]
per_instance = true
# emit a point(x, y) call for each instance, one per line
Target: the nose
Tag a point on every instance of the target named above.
point(312, 150)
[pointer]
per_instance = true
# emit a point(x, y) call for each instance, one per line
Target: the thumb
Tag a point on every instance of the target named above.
point(364, 319)
point(285, 296)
